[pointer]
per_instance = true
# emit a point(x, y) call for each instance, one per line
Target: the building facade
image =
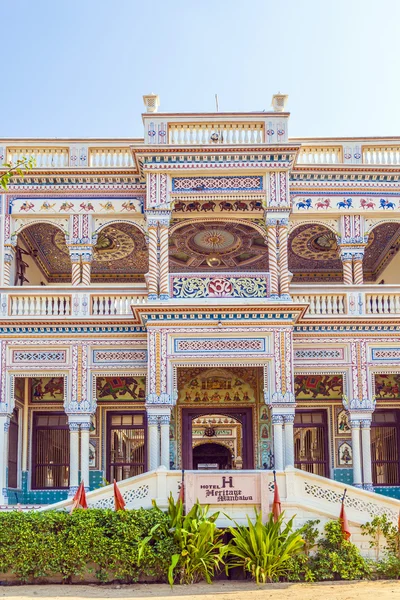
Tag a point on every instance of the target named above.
point(216, 295)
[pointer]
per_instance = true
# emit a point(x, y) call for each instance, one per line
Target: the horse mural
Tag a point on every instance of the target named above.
point(323, 386)
point(120, 388)
point(306, 204)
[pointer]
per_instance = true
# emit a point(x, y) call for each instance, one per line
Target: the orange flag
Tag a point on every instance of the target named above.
point(119, 502)
point(276, 505)
point(344, 521)
point(398, 523)
point(79, 500)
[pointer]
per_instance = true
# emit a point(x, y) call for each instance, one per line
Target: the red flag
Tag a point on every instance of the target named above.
point(398, 523)
point(119, 502)
point(79, 500)
point(276, 505)
point(344, 521)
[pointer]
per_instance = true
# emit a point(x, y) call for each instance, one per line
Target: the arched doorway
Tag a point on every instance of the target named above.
point(212, 455)
point(227, 431)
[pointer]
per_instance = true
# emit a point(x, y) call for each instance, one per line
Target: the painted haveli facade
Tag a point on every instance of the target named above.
point(216, 295)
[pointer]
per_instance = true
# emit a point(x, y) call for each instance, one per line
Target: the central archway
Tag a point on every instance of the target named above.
point(212, 455)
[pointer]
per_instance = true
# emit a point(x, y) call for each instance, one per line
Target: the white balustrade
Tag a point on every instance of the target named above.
point(320, 155)
point(323, 304)
point(110, 157)
point(114, 305)
point(215, 133)
point(45, 156)
point(40, 305)
point(381, 155)
point(381, 304)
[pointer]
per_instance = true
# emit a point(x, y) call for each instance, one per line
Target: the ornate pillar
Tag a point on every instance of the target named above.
point(277, 425)
point(273, 257)
point(164, 428)
point(284, 279)
point(4, 426)
point(73, 457)
point(86, 257)
point(164, 256)
point(358, 267)
point(8, 263)
point(154, 441)
point(75, 265)
point(153, 260)
point(366, 454)
point(85, 434)
point(355, 439)
point(289, 439)
point(347, 261)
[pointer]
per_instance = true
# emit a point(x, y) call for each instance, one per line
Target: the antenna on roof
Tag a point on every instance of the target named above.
point(216, 102)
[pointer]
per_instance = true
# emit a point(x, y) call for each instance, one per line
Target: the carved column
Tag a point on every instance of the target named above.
point(164, 428)
point(85, 437)
point(73, 457)
point(76, 266)
point(164, 257)
point(366, 454)
point(8, 263)
point(87, 257)
point(358, 267)
point(277, 425)
point(273, 257)
point(284, 279)
point(355, 439)
point(4, 426)
point(347, 261)
point(289, 440)
point(153, 260)
point(154, 441)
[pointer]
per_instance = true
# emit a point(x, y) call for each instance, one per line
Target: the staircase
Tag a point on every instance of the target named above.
point(303, 495)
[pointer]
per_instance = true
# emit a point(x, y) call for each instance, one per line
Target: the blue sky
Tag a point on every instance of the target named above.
point(80, 68)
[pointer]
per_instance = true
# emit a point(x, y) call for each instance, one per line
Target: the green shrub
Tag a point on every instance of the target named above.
point(299, 565)
point(264, 550)
point(337, 558)
point(200, 550)
point(37, 545)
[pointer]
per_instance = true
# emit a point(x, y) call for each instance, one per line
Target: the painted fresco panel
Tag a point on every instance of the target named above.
point(47, 389)
point(387, 386)
point(127, 388)
point(318, 387)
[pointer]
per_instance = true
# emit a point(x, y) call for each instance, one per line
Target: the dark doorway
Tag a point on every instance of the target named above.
point(311, 442)
point(385, 442)
point(126, 445)
point(50, 451)
point(212, 456)
point(243, 415)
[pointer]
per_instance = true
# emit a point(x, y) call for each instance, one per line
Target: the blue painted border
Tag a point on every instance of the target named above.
point(177, 351)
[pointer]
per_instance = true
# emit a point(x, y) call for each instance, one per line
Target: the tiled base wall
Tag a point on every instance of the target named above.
point(26, 496)
point(343, 475)
point(393, 492)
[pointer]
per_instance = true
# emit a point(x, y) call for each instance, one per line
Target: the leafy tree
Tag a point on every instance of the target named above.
point(18, 168)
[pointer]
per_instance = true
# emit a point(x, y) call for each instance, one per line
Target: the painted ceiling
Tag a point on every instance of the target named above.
point(235, 247)
point(120, 253)
point(314, 253)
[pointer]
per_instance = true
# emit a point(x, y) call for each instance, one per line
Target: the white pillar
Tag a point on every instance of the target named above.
point(85, 432)
point(154, 441)
point(73, 457)
point(4, 425)
point(164, 428)
point(355, 438)
point(366, 454)
point(277, 424)
point(289, 440)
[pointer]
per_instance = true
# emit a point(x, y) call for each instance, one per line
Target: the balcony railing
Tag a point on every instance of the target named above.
point(372, 300)
point(69, 302)
point(375, 151)
point(216, 133)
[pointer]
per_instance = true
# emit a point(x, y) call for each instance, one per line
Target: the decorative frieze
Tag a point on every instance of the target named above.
point(237, 183)
point(319, 354)
point(221, 286)
point(238, 345)
point(109, 356)
point(39, 356)
point(388, 354)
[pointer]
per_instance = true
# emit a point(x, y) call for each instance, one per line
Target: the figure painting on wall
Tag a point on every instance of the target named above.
point(345, 454)
point(342, 422)
point(387, 385)
point(264, 414)
point(47, 389)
